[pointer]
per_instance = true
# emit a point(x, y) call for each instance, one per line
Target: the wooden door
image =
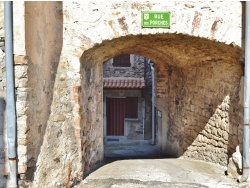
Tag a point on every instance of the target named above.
point(115, 109)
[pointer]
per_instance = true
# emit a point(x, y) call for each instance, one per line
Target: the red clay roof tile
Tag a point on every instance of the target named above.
point(118, 82)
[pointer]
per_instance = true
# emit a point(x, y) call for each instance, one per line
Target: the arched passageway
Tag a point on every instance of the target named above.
point(197, 92)
point(128, 96)
point(61, 53)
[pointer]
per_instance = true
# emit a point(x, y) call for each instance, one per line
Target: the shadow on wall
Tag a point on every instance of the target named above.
point(44, 38)
point(205, 122)
point(2, 143)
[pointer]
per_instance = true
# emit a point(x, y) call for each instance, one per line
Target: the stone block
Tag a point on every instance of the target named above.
point(219, 132)
point(21, 72)
point(214, 131)
point(20, 60)
point(77, 120)
point(21, 83)
point(22, 141)
point(22, 169)
point(217, 121)
point(59, 117)
point(77, 89)
point(76, 98)
point(21, 96)
point(21, 107)
point(211, 122)
point(77, 133)
point(77, 108)
point(225, 136)
point(22, 159)
point(224, 125)
point(22, 150)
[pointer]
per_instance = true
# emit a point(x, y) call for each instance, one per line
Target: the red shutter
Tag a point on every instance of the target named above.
point(131, 108)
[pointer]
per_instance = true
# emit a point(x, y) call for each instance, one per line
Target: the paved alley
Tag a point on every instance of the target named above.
point(145, 173)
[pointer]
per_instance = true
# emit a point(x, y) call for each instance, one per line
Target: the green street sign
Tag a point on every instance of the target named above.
point(155, 19)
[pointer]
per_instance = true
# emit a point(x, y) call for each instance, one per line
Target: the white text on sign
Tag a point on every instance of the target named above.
point(158, 16)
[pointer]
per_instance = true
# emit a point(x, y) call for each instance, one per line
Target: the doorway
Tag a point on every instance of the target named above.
point(115, 109)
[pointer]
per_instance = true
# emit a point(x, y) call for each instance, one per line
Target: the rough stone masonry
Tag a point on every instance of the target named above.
point(59, 55)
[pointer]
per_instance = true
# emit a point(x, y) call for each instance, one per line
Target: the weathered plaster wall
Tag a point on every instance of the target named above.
point(43, 37)
point(19, 27)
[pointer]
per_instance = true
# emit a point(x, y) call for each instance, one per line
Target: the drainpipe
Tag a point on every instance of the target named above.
point(143, 117)
point(153, 101)
point(10, 93)
point(143, 102)
point(245, 174)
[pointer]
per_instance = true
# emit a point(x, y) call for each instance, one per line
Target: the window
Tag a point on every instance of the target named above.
point(122, 60)
point(131, 107)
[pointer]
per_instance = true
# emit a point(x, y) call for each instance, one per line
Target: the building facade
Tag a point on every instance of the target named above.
point(59, 56)
point(127, 92)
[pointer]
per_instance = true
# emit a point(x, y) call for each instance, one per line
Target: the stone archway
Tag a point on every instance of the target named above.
point(197, 91)
point(197, 81)
point(197, 76)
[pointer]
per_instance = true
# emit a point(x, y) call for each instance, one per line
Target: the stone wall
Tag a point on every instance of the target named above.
point(92, 112)
point(21, 90)
point(211, 113)
point(205, 111)
point(3, 142)
point(21, 85)
point(20, 68)
point(136, 70)
point(169, 86)
point(3, 136)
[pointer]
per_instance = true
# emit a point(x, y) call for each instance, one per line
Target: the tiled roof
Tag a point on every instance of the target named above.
point(123, 82)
